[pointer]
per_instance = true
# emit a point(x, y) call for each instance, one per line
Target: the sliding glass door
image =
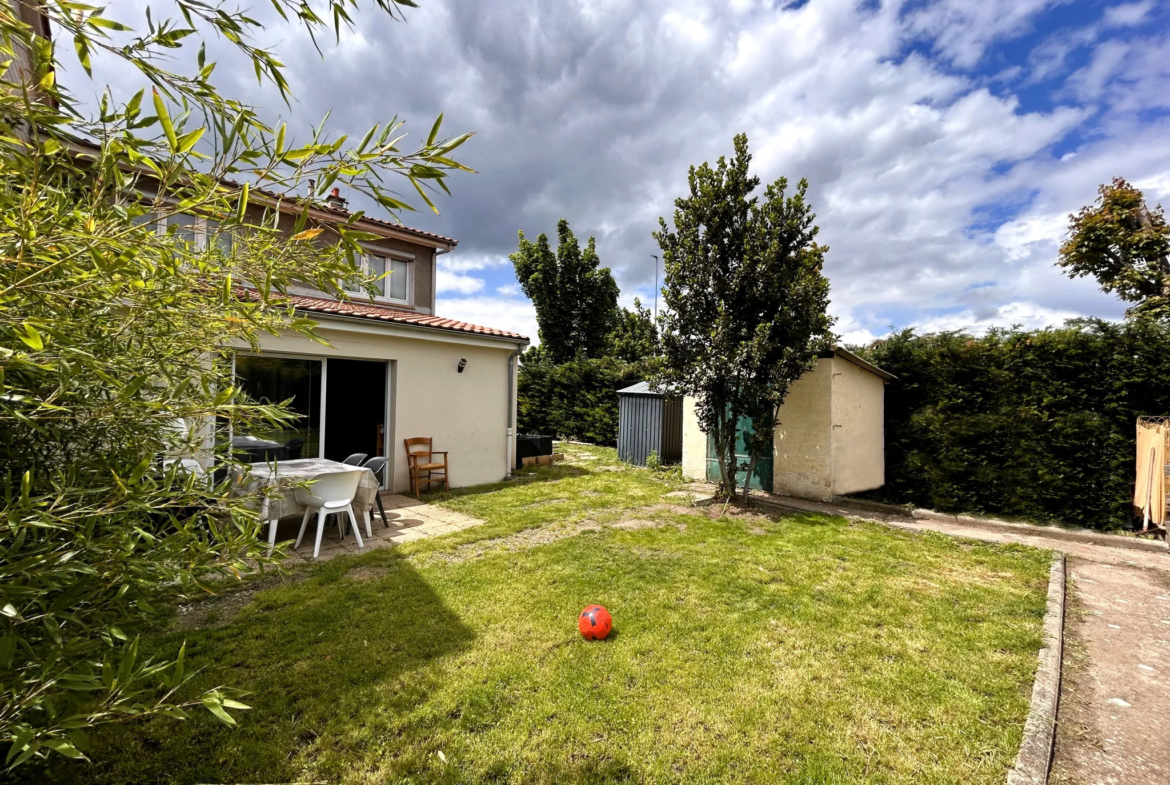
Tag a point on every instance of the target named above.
point(277, 379)
point(341, 407)
point(355, 408)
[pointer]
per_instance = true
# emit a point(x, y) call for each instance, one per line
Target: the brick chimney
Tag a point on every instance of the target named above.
point(335, 199)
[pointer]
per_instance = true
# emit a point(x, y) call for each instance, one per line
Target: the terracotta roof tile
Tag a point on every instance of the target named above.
point(396, 315)
point(342, 214)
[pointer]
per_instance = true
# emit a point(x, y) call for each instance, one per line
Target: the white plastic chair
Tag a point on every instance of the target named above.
point(189, 465)
point(329, 493)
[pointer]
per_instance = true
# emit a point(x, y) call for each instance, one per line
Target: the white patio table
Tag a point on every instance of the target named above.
point(273, 482)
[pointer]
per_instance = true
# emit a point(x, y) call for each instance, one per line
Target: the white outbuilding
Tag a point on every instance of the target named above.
point(829, 437)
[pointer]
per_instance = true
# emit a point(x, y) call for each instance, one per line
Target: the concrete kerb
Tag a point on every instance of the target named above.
point(1035, 756)
point(993, 524)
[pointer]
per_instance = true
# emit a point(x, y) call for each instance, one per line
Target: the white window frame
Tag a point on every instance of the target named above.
point(397, 256)
point(160, 224)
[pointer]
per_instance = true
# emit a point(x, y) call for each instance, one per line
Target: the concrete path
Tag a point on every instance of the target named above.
point(1115, 701)
point(1114, 715)
point(409, 520)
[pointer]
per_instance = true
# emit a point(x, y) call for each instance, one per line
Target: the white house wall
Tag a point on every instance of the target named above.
point(465, 413)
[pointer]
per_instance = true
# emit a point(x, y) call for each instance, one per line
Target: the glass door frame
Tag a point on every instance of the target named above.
point(387, 412)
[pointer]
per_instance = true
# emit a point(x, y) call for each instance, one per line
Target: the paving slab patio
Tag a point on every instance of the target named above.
point(409, 519)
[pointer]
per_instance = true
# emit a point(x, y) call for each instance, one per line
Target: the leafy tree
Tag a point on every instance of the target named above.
point(634, 336)
point(589, 347)
point(108, 334)
point(1125, 245)
point(578, 399)
point(575, 298)
point(745, 302)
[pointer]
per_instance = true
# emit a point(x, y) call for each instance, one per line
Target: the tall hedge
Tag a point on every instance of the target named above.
point(1038, 425)
point(575, 400)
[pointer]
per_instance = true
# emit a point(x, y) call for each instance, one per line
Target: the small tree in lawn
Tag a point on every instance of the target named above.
point(745, 303)
point(1125, 245)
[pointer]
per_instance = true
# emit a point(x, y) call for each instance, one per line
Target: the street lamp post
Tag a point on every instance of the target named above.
point(655, 288)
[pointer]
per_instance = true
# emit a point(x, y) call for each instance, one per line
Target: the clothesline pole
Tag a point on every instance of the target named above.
point(1149, 491)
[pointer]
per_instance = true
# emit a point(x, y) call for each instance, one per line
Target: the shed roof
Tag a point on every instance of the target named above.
point(643, 388)
point(845, 354)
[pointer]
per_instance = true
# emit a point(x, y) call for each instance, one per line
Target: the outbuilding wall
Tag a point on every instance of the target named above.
point(802, 463)
point(694, 447)
point(465, 413)
point(829, 438)
point(859, 439)
point(639, 427)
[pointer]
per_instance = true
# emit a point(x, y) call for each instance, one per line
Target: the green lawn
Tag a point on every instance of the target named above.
point(748, 649)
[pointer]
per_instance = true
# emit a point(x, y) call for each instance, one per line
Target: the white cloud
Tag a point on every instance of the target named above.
point(1019, 238)
point(502, 313)
point(1156, 186)
point(962, 29)
point(469, 261)
point(937, 188)
point(447, 281)
point(1128, 14)
point(1026, 315)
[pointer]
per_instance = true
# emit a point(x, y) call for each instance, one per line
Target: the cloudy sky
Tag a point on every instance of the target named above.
point(945, 142)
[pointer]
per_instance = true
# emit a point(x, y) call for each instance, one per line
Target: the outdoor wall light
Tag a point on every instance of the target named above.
point(462, 365)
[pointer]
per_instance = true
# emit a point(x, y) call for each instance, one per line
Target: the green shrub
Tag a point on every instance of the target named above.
point(1038, 425)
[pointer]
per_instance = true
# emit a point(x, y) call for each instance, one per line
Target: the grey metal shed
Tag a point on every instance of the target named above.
point(649, 421)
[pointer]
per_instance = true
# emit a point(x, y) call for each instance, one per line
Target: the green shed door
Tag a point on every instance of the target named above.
point(761, 477)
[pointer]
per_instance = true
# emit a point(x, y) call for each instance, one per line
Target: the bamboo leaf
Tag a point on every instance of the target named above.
point(32, 338)
point(213, 705)
point(81, 46)
point(188, 140)
point(131, 387)
point(242, 204)
point(164, 117)
point(308, 234)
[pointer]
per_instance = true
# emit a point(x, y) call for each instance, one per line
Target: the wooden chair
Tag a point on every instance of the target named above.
point(420, 460)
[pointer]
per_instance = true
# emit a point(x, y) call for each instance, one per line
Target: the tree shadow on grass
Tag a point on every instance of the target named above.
point(331, 662)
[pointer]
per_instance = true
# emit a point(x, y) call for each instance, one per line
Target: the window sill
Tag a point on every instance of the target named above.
point(393, 303)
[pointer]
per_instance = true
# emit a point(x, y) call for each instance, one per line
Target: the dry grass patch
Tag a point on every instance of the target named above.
point(366, 573)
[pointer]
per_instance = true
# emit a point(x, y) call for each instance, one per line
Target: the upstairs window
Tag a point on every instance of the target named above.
point(395, 287)
point(183, 228)
point(196, 231)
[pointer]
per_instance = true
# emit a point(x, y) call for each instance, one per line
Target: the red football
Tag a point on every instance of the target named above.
point(594, 623)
